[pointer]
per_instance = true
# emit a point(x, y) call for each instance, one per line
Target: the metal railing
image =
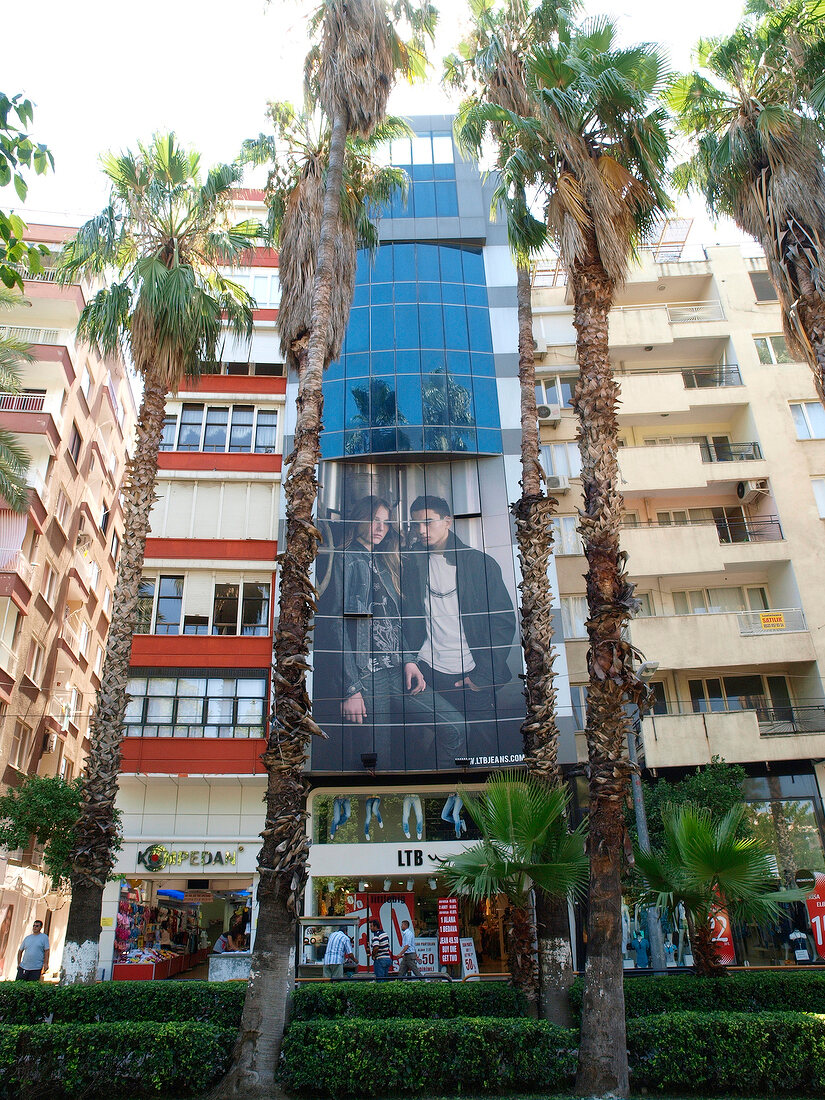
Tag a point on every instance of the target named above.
point(47, 275)
point(704, 378)
point(36, 481)
point(782, 721)
point(763, 529)
point(780, 620)
point(686, 313)
point(70, 637)
point(35, 335)
point(730, 452)
point(22, 402)
point(794, 718)
point(15, 561)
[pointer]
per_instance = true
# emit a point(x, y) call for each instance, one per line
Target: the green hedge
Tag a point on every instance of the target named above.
point(406, 1000)
point(217, 1003)
point(112, 1060)
point(431, 1057)
point(739, 991)
point(723, 1053)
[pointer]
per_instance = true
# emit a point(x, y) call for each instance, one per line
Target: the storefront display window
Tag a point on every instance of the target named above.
point(365, 818)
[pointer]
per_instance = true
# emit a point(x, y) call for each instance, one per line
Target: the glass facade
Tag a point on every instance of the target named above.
point(416, 373)
point(429, 163)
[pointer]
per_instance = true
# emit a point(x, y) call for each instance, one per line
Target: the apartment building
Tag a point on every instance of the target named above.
point(192, 783)
point(75, 416)
point(722, 462)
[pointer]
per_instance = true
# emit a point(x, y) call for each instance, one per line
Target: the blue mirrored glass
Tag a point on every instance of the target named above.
point(381, 293)
point(451, 264)
point(460, 399)
point(333, 405)
point(357, 366)
point(489, 441)
point(427, 259)
point(434, 398)
point(429, 292)
point(408, 398)
point(473, 266)
point(406, 327)
point(357, 407)
point(362, 266)
point(404, 262)
point(421, 173)
point(479, 324)
point(381, 327)
point(411, 438)
point(407, 362)
point(444, 171)
point(406, 292)
point(486, 401)
point(332, 444)
point(476, 295)
point(334, 370)
point(381, 271)
point(431, 323)
point(383, 408)
point(455, 326)
point(446, 199)
point(484, 365)
point(424, 200)
point(382, 440)
point(357, 442)
point(453, 293)
point(358, 337)
point(361, 297)
point(458, 362)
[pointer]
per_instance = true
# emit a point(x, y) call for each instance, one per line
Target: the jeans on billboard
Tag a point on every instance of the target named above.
point(381, 968)
point(478, 707)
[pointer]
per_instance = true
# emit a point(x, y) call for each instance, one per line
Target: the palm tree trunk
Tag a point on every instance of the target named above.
point(602, 1068)
point(811, 313)
point(283, 857)
point(96, 833)
point(534, 533)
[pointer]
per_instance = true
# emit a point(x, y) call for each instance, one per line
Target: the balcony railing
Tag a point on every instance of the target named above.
point(687, 313)
point(15, 561)
point(70, 637)
point(783, 721)
point(8, 658)
point(22, 402)
point(730, 452)
point(35, 479)
point(706, 378)
point(47, 275)
point(764, 529)
point(36, 335)
point(781, 620)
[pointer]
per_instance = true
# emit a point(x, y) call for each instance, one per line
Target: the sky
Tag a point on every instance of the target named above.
point(104, 74)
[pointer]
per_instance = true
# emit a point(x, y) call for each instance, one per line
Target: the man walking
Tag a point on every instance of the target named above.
point(380, 951)
point(33, 956)
point(339, 951)
point(408, 956)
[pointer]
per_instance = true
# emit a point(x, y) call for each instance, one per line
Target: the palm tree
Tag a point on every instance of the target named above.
point(490, 69)
point(603, 182)
point(164, 233)
point(708, 866)
point(350, 72)
point(759, 155)
point(14, 458)
point(525, 847)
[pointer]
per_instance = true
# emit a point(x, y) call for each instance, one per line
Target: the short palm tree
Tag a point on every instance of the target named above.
point(526, 848)
point(14, 458)
point(606, 148)
point(707, 866)
point(165, 234)
point(758, 154)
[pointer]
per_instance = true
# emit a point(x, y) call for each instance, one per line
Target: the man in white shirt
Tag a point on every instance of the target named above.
point(339, 951)
point(33, 956)
point(408, 956)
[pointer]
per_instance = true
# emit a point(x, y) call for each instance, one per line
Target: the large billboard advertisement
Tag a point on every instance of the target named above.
point(416, 657)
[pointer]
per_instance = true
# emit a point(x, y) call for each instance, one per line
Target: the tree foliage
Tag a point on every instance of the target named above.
point(46, 808)
point(18, 154)
point(716, 787)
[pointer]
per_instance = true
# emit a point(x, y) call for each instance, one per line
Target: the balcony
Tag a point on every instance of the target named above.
point(694, 313)
point(672, 467)
point(648, 394)
point(760, 734)
point(32, 414)
point(8, 659)
point(16, 577)
point(660, 323)
point(724, 640)
point(659, 550)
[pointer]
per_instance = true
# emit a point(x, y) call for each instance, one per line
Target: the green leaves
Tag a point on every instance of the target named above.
point(17, 152)
point(46, 808)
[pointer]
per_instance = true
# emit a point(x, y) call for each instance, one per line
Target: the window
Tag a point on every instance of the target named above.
point(772, 349)
point(645, 605)
point(763, 288)
point(107, 600)
point(253, 606)
point(36, 661)
point(21, 745)
point(192, 705)
point(49, 588)
point(83, 638)
point(66, 769)
point(191, 421)
point(170, 430)
point(86, 382)
point(735, 693)
point(75, 442)
point(115, 546)
point(101, 653)
point(574, 616)
point(818, 486)
point(566, 538)
point(214, 438)
point(556, 390)
point(94, 575)
point(809, 420)
point(240, 437)
point(561, 459)
point(104, 519)
point(266, 431)
point(238, 429)
point(61, 509)
point(166, 615)
point(718, 601)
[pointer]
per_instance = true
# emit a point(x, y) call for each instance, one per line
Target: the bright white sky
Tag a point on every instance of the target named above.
point(103, 74)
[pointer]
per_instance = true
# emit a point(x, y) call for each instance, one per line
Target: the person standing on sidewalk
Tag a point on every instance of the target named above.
point(408, 956)
point(339, 951)
point(380, 950)
point(33, 956)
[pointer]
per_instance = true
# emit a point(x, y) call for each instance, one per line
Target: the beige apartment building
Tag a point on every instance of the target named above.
point(75, 415)
point(723, 473)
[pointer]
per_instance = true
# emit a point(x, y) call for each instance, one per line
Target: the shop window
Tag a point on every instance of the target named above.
point(197, 705)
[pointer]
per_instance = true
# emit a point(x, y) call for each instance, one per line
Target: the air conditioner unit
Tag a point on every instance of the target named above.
point(558, 483)
point(539, 347)
point(549, 414)
point(50, 744)
point(749, 491)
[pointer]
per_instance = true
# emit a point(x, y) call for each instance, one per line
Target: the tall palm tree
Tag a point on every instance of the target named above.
point(604, 184)
point(350, 72)
point(526, 850)
point(758, 154)
point(165, 233)
point(489, 68)
point(14, 458)
point(708, 866)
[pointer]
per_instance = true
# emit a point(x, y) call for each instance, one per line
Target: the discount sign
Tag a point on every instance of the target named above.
point(448, 946)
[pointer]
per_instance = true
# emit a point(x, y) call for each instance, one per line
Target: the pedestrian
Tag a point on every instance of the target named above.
point(339, 951)
point(380, 951)
point(33, 956)
point(408, 956)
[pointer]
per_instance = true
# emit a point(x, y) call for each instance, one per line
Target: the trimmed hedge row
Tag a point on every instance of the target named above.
point(717, 1053)
point(426, 1057)
point(217, 1003)
point(407, 1000)
point(759, 991)
point(112, 1059)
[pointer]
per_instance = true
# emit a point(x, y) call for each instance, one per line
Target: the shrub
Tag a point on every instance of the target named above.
point(217, 1003)
point(112, 1060)
point(443, 1057)
point(407, 1000)
point(739, 991)
point(719, 1053)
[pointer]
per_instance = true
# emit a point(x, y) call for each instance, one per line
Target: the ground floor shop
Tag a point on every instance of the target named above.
point(26, 895)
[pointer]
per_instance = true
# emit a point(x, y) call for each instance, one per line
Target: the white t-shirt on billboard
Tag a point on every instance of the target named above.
point(445, 648)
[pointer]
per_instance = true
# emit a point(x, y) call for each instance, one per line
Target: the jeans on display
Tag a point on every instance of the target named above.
point(413, 802)
point(341, 810)
point(373, 810)
point(381, 968)
point(452, 812)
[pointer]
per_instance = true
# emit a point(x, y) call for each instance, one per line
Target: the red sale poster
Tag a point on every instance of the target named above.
point(722, 937)
point(448, 945)
point(815, 903)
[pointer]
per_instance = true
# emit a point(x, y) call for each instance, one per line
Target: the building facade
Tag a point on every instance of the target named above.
point(75, 416)
point(722, 458)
